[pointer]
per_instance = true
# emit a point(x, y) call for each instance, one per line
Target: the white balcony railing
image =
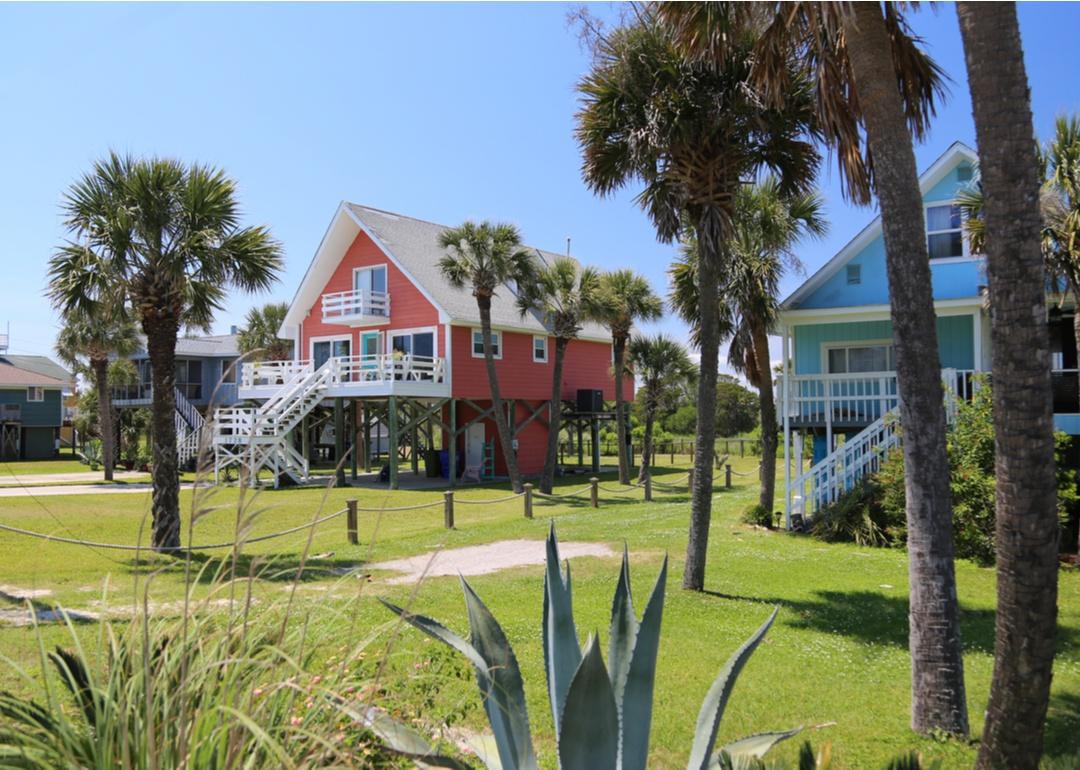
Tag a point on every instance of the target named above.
point(269, 374)
point(347, 370)
point(353, 305)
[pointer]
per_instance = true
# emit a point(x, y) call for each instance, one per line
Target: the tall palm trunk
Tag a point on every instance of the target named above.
point(705, 439)
point(619, 349)
point(161, 333)
point(647, 444)
point(1027, 527)
point(937, 669)
point(551, 457)
point(100, 367)
point(1076, 333)
point(767, 495)
point(501, 425)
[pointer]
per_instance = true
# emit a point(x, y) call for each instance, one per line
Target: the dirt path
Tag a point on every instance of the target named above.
point(483, 559)
point(80, 489)
point(48, 479)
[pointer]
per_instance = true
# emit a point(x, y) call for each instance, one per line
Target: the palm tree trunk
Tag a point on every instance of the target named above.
point(1026, 521)
point(1076, 334)
point(100, 368)
point(647, 444)
point(161, 333)
point(767, 403)
point(937, 668)
point(501, 425)
point(705, 439)
point(547, 478)
point(619, 346)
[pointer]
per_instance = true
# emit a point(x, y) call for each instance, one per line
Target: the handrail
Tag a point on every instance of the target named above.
point(356, 302)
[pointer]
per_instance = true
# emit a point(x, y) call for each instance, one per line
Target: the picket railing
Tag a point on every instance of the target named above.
point(358, 304)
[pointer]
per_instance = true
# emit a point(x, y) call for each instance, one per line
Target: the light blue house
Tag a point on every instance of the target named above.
point(838, 388)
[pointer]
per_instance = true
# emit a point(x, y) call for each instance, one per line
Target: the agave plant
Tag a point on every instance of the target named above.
point(602, 713)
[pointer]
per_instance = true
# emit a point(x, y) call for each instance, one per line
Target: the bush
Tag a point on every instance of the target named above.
point(92, 455)
point(758, 515)
point(683, 422)
point(860, 517)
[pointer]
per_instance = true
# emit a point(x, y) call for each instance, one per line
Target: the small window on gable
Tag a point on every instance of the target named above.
point(35, 393)
point(478, 344)
point(854, 275)
point(540, 350)
point(944, 236)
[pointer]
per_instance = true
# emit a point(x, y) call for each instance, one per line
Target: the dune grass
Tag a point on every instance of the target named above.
point(836, 654)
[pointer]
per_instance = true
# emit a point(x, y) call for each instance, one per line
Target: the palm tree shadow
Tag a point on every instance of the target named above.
point(44, 612)
point(206, 568)
point(1063, 725)
point(873, 617)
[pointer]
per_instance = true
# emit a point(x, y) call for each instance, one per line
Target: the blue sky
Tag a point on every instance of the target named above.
point(442, 111)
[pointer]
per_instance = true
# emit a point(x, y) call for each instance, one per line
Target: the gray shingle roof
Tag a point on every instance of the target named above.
point(415, 244)
point(209, 346)
point(39, 365)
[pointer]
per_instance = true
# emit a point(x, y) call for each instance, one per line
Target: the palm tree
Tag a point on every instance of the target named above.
point(628, 298)
point(1026, 517)
point(693, 134)
point(163, 241)
point(564, 296)
point(259, 335)
point(768, 227)
point(95, 340)
point(487, 257)
point(664, 368)
point(873, 89)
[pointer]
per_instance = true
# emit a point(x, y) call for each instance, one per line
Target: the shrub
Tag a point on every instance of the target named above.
point(758, 515)
point(858, 517)
point(92, 454)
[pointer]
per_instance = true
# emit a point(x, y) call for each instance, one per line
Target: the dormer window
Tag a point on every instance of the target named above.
point(944, 233)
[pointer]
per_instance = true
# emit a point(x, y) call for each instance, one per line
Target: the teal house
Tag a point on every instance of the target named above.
point(32, 392)
point(838, 387)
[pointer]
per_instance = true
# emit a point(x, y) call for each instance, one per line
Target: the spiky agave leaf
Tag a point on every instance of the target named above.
point(562, 652)
point(401, 738)
point(753, 746)
point(589, 731)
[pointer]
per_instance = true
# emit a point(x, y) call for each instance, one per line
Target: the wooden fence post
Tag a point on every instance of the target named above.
point(448, 509)
point(595, 491)
point(528, 501)
point(672, 447)
point(351, 522)
point(727, 476)
point(648, 486)
point(690, 478)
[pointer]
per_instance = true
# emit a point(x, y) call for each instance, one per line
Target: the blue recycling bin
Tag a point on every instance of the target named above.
point(444, 463)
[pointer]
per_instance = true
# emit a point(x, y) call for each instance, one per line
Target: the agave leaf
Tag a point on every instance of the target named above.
point(712, 710)
point(562, 652)
point(402, 739)
point(624, 628)
point(436, 630)
point(755, 746)
point(589, 733)
point(487, 751)
point(636, 702)
point(501, 686)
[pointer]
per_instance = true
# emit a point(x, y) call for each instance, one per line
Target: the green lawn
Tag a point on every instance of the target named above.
point(66, 463)
point(836, 654)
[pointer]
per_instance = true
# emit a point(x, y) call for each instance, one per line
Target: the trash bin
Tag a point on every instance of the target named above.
point(444, 463)
point(432, 466)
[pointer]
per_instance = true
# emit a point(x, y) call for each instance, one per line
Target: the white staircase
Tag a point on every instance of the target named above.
point(254, 439)
point(189, 428)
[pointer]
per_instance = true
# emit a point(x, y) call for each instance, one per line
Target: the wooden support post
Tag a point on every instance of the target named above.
point(595, 492)
point(393, 448)
point(648, 485)
point(580, 445)
point(727, 476)
point(351, 522)
point(595, 436)
point(367, 437)
point(528, 500)
point(672, 452)
point(305, 439)
point(339, 439)
point(414, 439)
point(355, 433)
point(448, 509)
point(452, 449)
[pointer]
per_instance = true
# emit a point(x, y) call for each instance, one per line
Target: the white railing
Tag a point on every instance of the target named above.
point(838, 472)
point(269, 374)
point(341, 305)
point(388, 367)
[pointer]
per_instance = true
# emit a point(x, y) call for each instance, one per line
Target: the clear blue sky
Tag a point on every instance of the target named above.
point(443, 112)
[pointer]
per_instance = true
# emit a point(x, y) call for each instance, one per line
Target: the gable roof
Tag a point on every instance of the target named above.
point(954, 155)
point(206, 346)
point(27, 371)
point(413, 246)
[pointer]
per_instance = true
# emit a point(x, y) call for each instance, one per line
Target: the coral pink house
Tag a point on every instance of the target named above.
point(405, 352)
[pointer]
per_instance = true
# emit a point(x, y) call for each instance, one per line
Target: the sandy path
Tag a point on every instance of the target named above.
point(46, 479)
point(80, 489)
point(483, 559)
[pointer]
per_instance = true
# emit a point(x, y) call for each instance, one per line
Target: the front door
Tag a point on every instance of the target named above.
point(370, 347)
point(474, 445)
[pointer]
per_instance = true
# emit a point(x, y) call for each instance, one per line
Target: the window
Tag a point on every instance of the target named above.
point(944, 237)
point(854, 275)
point(540, 350)
point(189, 378)
point(35, 394)
point(478, 344)
point(856, 359)
point(371, 280)
point(419, 344)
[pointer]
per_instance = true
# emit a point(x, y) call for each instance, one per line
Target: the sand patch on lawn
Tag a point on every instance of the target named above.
point(483, 559)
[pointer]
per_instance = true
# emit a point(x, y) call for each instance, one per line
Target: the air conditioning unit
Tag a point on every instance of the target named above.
point(589, 400)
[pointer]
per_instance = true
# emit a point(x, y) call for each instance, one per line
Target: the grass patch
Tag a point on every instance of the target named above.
point(838, 651)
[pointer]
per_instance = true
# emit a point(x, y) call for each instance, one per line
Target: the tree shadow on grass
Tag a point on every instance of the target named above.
point(873, 617)
point(1063, 725)
point(272, 568)
point(24, 610)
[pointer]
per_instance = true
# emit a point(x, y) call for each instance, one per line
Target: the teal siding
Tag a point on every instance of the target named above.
point(946, 189)
point(39, 443)
point(45, 413)
point(956, 342)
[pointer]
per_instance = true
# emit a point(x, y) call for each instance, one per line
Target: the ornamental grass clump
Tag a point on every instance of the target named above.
point(602, 712)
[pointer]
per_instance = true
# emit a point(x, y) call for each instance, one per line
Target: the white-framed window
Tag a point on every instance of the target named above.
point(944, 231)
point(35, 393)
point(371, 280)
point(540, 349)
point(859, 358)
point(478, 344)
